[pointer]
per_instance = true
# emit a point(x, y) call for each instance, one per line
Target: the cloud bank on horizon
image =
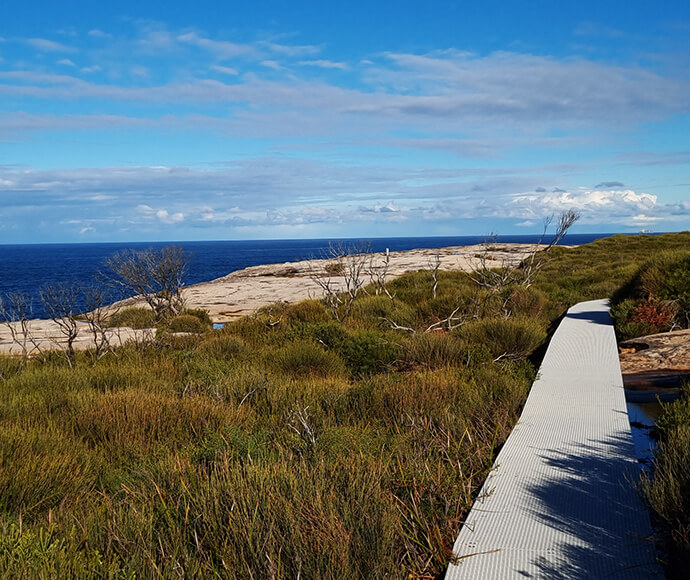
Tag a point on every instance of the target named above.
point(128, 127)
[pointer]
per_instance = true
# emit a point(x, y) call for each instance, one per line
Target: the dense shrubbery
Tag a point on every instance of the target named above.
point(286, 444)
point(657, 298)
point(668, 491)
point(255, 449)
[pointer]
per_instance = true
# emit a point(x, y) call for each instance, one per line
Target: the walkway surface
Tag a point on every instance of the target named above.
point(560, 502)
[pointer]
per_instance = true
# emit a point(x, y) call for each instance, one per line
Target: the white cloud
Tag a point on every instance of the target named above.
point(275, 65)
point(220, 49)
point(271, 192)
point(45, 45)
point(290, 50)
point(596, 205)
point(224, 69)
point(322, 63)
point(168, 218)
point(96, 33)
point(438, 93)
point(66, 62)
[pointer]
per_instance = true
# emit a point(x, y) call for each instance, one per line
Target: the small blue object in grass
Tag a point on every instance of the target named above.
point(218, 325)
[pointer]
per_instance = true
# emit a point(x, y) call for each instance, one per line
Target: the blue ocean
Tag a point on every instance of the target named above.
point(27, 268)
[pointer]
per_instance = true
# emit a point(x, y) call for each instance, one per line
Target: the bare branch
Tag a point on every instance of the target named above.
point(16, 312)
point(378, 274)
point(342, 279)
point(157, 276)
point(60, 302)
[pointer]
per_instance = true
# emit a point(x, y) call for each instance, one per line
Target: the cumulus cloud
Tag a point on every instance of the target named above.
point(595, 205)
point(275, 193)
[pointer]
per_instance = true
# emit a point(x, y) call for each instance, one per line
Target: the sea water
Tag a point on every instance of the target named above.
point(28, 267)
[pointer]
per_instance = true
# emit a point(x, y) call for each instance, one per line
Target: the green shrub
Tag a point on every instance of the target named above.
point(250, 329)
point(134, 317)
point(506, 338)
point(528, 302)
point(368, 351)
point(668, 491)
point(655, 298)
point(223, 346)
point(307, 311)
point(199, 313)
point(433, 350)
point(183, 323)
point(334, 268)
point(305, 357)
point(372, 308)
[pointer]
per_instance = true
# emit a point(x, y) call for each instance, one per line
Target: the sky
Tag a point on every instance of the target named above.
point(155, 121)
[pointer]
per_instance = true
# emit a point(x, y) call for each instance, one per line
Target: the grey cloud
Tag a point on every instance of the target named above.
point(608, 185)
point(540, 189)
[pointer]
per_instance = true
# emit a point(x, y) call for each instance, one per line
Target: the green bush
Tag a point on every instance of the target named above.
point(305, 357)
point(307, 311)
point(433, 350)
point(528, 302)
point(507, 338)
point(223, 346)
point(367, 351)
point(668, 491)
point(183, 323)
point(199, 313)
point(655, 298)
point(134, 317)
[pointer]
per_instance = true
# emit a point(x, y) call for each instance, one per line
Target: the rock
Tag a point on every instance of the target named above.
point(661, 360)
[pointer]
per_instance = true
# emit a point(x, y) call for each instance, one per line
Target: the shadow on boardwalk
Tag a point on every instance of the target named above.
point(589, 501)
point(593, 317)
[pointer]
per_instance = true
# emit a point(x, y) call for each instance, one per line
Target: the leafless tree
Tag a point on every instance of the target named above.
point(96, 317)
point(16, 312)
point(536, 260)
point(379, 272)
point(156, 275)
point(496, 279)
point(343, 277)
point(60, 301)
point(434, 267)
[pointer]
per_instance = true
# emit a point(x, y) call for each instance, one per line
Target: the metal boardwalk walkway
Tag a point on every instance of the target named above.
point(560, 501)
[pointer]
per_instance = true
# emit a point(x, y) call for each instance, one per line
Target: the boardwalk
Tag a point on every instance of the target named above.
point(560, 502)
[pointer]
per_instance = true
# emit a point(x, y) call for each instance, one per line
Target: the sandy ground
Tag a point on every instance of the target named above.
point(242, 292)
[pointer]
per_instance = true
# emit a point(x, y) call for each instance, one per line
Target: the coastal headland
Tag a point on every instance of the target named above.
point(243, 292)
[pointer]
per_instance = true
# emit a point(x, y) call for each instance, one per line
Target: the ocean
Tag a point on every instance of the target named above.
point(27, 268)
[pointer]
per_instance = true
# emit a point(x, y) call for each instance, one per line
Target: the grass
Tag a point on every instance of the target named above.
point(286, 444)
point(668, 491)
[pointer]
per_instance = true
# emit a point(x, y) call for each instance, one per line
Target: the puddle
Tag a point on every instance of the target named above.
point(642, 418)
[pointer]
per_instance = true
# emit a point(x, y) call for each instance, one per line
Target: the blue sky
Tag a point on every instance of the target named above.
point(214, 120)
